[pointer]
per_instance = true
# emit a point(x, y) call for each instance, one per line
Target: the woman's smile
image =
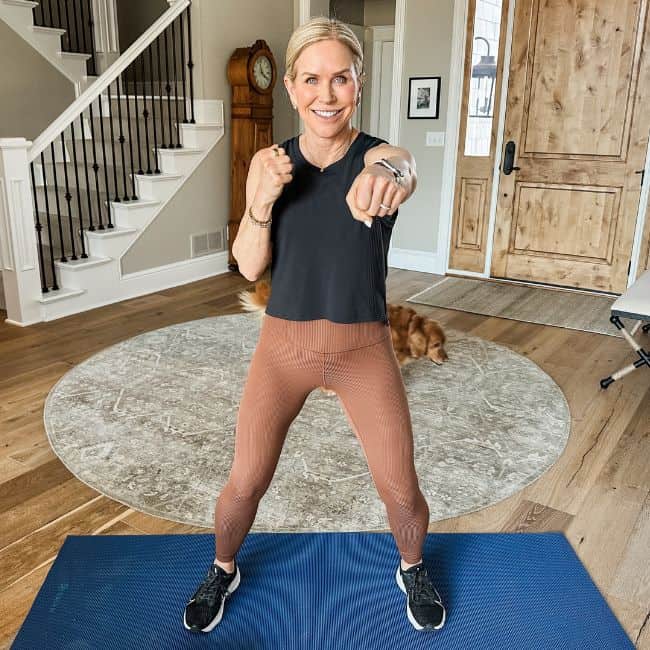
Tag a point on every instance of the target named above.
point(327, 115)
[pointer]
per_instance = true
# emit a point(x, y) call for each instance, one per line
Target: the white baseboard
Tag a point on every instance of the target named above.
point(414, 260)
point(146, 282)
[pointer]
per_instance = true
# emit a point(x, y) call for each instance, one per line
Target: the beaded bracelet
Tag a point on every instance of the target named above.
point(262, 224)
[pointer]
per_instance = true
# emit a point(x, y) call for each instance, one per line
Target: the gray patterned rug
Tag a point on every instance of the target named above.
point(576, 310)
point(150, 423)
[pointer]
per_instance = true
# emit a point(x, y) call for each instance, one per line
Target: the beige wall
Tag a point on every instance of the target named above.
point(349, 11)
point(427, 51)
point(33, 91)
point(379, 12)
point(203, 203)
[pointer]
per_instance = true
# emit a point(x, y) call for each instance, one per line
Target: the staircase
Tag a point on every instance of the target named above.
point(102, 172)
point(62, 34)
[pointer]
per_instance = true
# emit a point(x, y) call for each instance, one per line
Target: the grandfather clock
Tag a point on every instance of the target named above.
point(252, 75)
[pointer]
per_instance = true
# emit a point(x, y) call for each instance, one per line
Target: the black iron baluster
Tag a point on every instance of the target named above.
point(93, 50)
point(178, 128)
point(58, 206)
point(190, 63)
point(183, 68)
point(67, 26)
point(153, 112)
point(39, 227)
point(55, 286)
point(59, 22)
point(101, 126)
point(160, 96)
point(49, 6)
point(68, 198)
point(96, 170)
point(77, 31)
point(137, 120)
point(83, 26)
point(168, 88)
point(128, 126)
point(76, 177)
point(91, 226)
point(37, 13)
point(121, 140)
point(145, 113)
point(114, 159)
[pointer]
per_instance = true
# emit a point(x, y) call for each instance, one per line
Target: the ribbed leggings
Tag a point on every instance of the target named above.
point(357, 361)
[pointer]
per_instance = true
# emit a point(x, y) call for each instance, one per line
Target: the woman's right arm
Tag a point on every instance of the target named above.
point(267, 176)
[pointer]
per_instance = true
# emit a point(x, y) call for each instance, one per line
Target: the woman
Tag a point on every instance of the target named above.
point(325, 203)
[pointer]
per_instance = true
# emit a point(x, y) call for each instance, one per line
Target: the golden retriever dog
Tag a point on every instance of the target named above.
point(413, 336)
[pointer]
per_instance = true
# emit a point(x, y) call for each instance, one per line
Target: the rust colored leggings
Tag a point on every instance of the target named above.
point(356, 360)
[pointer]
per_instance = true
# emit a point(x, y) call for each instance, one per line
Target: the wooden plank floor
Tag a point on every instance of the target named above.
point(597, 493)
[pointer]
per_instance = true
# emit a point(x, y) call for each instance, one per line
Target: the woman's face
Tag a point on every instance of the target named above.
point(325, 81)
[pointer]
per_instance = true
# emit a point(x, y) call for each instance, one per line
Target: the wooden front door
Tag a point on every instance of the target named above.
point(577, 116)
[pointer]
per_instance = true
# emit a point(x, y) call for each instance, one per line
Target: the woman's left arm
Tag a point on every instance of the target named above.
point(375, 192)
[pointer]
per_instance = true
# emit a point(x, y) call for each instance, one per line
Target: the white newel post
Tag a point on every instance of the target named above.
point(18, 251)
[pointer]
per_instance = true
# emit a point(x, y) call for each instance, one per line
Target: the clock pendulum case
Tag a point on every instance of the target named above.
point(252, 75)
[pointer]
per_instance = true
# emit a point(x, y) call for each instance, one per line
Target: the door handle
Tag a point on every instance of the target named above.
point(509, 158)
point(642, 172)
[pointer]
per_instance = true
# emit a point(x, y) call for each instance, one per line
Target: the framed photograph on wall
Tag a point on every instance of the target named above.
point(424, 98)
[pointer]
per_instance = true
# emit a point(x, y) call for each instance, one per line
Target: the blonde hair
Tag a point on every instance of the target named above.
point(322, 28)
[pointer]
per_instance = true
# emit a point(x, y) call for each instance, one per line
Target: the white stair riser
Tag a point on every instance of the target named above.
point(127, 217)
point(110, 246)
point(174, 162)
point(101, 277)
point(76, 67)
point(196, 138)
point(15, 14)
point(50, 41)
point(157, 189)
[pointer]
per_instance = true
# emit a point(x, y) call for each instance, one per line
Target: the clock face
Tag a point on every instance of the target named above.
point(263, 72)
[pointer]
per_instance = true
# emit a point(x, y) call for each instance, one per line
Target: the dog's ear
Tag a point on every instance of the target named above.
point(417, 341)
point(432, 329)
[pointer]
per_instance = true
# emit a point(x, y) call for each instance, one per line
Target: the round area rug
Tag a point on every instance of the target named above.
point(150, 422)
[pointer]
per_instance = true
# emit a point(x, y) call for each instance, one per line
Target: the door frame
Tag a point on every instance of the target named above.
point(449, 162)
point(461, 10)
point(304, 12)
point(380, 33)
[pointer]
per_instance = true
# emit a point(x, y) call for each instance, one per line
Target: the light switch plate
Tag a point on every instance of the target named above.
point(435, 138)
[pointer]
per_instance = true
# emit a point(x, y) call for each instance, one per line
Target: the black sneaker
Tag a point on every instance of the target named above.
point(205, 609)
point(424, 606)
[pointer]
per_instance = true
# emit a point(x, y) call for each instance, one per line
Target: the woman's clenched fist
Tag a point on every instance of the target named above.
point(275, 172)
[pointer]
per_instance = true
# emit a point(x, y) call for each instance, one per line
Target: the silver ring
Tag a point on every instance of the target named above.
point(276, 150)
point(386, 207)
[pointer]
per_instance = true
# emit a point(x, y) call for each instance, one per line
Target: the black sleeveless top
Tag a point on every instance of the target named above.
point(326, 264)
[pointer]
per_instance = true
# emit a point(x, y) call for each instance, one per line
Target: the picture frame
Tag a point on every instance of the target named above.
point(424, 98)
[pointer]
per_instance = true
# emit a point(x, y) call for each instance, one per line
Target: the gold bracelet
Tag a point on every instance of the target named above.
point(262, 224)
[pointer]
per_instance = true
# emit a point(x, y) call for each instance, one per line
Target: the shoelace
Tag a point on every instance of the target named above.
point(423, 590)
point(212, 587)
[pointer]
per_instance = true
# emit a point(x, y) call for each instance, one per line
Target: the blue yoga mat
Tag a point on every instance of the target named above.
point(321, 590)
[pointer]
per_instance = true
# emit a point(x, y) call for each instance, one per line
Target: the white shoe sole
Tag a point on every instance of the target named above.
point(414, 623)
point(217, 619)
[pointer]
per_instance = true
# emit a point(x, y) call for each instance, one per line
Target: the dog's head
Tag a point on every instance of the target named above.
point(426, 339)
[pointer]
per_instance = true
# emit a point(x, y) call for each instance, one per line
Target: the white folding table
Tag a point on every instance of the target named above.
point(634, 304)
